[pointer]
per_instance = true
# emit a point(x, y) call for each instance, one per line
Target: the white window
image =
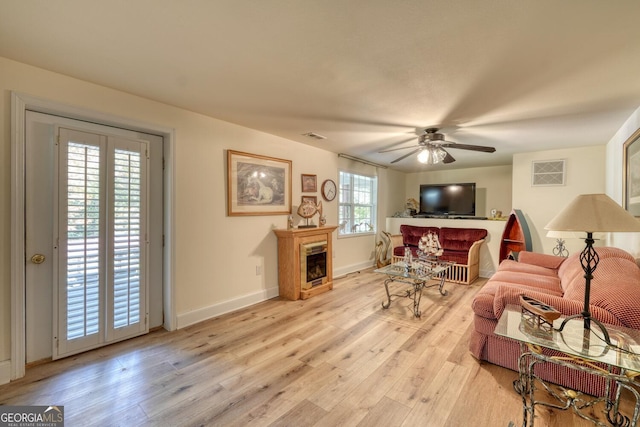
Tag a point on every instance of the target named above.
point(358, 204)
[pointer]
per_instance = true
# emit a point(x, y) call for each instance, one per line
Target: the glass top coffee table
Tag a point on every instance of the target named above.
point(417, 274)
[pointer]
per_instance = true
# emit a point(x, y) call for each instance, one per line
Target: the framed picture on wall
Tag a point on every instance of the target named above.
point(309, 183)
point(631, 177)
point(257, 185)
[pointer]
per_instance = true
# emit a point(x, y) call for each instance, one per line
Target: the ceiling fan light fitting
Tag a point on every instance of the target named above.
point(439, 154)
point(424, 156)
point(431, 155)
point(431, 148)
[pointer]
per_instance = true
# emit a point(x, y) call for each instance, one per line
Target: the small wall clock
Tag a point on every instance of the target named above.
point(329, 190)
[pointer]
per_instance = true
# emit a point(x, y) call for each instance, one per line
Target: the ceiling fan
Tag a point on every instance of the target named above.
point(431, 148)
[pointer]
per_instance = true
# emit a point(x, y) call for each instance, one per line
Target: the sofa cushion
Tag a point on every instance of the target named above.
point(521, 278)
point(484, 302)
point(411, 234)
point(615, 287)
point(510, 265)
point(460, 239)
point(459, 257)
point(572, 275)
point(541, 260)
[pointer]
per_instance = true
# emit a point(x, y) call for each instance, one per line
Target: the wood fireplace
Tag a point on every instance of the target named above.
point(305, 266)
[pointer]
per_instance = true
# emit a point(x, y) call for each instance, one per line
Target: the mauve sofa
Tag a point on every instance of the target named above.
point(460, 245)
point(559, 282)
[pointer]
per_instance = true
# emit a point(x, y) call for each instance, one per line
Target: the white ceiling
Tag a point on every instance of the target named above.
point(521, 75)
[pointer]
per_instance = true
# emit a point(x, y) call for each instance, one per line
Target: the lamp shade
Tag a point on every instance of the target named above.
point(563, 234)
point(594, 213)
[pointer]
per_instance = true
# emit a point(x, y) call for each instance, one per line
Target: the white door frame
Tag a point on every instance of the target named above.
point(20, 103)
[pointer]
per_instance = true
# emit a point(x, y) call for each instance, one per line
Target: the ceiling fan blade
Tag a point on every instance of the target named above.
point(406, 155)
point(469, 147)
point(402, 142)
point(396, 149)
point(449, 158)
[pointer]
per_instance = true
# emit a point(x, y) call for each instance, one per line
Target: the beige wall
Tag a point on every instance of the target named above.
point(215, 255)
point(585, 171)
point(628, 241)
point(493, 186)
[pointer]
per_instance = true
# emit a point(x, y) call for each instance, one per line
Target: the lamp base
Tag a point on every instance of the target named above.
point(587, 326)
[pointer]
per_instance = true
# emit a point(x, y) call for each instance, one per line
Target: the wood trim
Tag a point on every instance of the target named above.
point(20, 102)
point(289, 242)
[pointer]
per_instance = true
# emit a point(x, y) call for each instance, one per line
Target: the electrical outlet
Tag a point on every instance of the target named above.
point(258, 270)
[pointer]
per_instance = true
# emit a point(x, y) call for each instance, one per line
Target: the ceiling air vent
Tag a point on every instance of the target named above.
point(314, 135)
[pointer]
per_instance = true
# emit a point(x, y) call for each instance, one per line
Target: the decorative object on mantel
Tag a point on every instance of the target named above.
point(312, 199)
point(412, 206)
point(496, 215)
point(257, 185)
point(308, 209)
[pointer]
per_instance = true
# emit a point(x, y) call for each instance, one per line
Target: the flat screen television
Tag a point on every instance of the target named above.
point(448, 199)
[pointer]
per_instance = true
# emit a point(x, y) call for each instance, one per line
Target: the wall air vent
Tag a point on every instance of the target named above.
point(548, 172)
point(314, 135)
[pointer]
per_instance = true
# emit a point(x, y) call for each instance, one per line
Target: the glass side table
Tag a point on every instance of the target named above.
point(581, 350)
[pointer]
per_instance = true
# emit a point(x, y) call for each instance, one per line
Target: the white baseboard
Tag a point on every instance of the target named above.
point(343, 271)
point(193, 317)
point(5, 371)
point(205, 313)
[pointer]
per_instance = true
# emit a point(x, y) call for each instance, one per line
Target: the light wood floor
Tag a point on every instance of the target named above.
point(337, 359)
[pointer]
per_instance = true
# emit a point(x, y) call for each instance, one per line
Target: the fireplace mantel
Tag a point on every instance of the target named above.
point(289, 272)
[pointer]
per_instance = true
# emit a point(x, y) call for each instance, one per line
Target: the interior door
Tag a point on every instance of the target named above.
point(42, 220)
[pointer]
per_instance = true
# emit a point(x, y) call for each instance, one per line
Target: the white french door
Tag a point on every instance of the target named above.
point(100, 237)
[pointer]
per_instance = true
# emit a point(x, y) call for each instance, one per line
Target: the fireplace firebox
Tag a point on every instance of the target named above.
point(313, 264)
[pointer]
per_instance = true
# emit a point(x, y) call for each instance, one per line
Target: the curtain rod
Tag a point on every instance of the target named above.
point(366, 162)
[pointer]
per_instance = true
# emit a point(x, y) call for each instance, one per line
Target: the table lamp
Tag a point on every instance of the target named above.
point(592, 213)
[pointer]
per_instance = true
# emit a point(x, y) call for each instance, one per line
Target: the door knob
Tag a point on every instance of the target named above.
point(37, 259)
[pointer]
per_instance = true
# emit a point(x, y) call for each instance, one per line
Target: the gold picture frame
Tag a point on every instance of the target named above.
point(631, 174)
point(309, 183)
point(257, 185)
